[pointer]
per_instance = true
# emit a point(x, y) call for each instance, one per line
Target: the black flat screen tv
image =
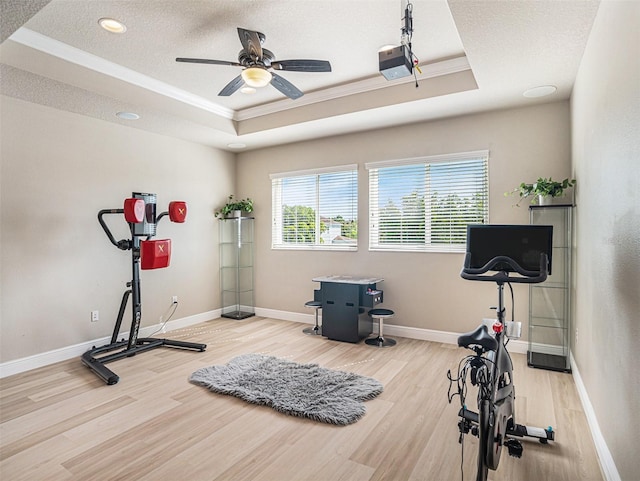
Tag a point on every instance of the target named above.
point(522, 243)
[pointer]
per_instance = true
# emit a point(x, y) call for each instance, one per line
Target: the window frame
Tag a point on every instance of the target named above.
point(374, 208)
point(277, 243)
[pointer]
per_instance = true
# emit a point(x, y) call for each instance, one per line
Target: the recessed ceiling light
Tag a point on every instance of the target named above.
point(248, 90)
point(112, 25)
point(127, 115)
point(541, 91)
point(236, 145)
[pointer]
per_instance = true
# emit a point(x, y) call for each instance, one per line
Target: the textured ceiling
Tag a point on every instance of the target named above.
point(475, 55)
point(16, 13)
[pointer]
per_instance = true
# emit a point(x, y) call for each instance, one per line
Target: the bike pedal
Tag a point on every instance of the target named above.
point(514, 447)
point(463, 427)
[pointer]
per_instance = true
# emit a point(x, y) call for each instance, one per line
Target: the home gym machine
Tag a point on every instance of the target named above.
point(140, 213)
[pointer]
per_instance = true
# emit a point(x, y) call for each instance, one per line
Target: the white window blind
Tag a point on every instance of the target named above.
point(425, 204)
point(315, 209)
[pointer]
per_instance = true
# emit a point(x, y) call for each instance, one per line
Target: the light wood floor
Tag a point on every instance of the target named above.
point(62, 423)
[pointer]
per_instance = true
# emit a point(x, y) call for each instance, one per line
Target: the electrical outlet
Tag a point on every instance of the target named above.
point(95, 316)
point(174, 300)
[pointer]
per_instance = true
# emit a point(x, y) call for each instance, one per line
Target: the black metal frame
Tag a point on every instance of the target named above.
point(94, 358)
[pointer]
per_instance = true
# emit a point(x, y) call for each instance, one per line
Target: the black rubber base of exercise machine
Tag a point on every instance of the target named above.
point(97, 364)
point(469, 422)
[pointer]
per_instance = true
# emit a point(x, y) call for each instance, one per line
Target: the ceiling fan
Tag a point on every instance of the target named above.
point(259, 64)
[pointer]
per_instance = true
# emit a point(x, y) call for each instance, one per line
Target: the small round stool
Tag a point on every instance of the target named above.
point(316, 330)
point(380, 341)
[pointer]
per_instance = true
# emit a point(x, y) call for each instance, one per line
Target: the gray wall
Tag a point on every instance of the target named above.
point(605, 113)
point(424, 289)
point(58, 170)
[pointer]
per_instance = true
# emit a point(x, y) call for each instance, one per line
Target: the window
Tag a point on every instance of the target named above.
point(315, 209)
point(425, 204)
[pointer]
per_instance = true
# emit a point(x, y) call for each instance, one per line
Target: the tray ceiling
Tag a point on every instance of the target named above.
point(474, 56)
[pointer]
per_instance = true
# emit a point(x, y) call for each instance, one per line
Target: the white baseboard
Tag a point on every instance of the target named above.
point(442, 336)
point(39, 360)
point(44, 359)
point(24, 364)
point(287, 316)
point(607, 464)
point(393, 330)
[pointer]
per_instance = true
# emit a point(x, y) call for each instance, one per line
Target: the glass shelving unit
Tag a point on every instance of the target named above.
point(236, 267)
point(550, 301)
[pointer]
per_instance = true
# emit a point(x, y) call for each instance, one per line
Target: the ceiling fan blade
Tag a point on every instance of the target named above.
point(251, 43)
point(204, 60)
point(286, 87)
point(232, 86)
point(302, 65)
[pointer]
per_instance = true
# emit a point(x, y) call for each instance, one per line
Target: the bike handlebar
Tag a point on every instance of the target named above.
point(529, 277)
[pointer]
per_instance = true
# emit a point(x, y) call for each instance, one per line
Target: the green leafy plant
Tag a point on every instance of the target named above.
point(542, 187)
point(245, 205)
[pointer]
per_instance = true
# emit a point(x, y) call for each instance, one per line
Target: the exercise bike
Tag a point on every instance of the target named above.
point(490, 367)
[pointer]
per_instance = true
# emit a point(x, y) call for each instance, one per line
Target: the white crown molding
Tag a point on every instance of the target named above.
point(61, 50)
point(432, 70)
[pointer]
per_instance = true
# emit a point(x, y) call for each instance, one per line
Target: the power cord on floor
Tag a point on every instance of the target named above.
point(163, 324)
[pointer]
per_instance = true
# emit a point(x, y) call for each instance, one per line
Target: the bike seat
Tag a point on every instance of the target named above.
point(479, 337)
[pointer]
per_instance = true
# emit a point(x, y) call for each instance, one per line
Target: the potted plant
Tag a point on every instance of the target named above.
point(542, 190)
point(235, 208)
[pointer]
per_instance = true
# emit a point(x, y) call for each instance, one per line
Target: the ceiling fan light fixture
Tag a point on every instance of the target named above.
point(256, 77)
point(248, 90)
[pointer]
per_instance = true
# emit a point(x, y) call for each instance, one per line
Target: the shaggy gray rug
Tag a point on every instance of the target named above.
point(305, 390)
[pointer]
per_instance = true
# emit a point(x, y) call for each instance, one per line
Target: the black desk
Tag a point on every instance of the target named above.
point(344, 302)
